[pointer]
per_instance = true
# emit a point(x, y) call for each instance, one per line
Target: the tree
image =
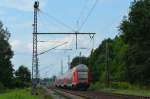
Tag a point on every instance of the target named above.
point(98, 60)
point(79, 60)
point(135, 31)
point(23, 74)
point(23, 77)
point(6, 68)
point(117, 59)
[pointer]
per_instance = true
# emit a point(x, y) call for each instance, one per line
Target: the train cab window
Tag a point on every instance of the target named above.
point(82, 75)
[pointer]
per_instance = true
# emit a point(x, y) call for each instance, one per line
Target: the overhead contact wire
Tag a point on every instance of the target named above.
point(90, 12)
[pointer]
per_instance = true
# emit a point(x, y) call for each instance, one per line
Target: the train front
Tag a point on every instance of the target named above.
point(81, 77)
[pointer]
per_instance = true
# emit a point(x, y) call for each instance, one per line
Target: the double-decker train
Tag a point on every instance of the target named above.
point(76, 78)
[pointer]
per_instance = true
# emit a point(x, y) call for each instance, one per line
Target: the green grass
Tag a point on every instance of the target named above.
point(18, 94)
point(133, 92)
point(136, 92)
point(122, 88)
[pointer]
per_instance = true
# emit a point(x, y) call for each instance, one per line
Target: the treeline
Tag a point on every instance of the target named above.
point(9, 78)
point(128, 53)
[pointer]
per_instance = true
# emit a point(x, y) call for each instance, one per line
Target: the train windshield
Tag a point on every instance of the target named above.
point(82, 75)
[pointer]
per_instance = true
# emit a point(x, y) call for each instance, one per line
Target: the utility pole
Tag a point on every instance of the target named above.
point(80, 58)
point(107, 65)
point(35, 71)
point(61, 67)
point(76, 40)
point(68, 62)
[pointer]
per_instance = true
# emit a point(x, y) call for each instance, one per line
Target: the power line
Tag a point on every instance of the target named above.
point(61, 63)
point(47, 21)
point(90, 12)
point(52, 48)
point(58, 21)
point(49, 41)
point(81, 13)
point(64, 49)
point(43, 22)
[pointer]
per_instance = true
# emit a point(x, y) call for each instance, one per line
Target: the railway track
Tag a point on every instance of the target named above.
point(102, 95)
point(95, 95)
point(64, 94)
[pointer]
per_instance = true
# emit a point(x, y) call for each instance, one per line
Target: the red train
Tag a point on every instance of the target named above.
point(76, 78)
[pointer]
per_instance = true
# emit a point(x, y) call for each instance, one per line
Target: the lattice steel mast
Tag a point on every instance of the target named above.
point(35, 71)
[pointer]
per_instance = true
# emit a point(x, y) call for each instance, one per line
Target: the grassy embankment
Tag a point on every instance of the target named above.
point(22, 94)
point(122, 88)
point(138, 92)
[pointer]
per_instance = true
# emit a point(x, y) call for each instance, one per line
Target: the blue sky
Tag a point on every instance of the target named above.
point(17, 16)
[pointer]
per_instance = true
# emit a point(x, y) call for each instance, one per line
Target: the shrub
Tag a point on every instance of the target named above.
point(21, 84)
point(2, 87)
point(120, 85)
point(96, 86)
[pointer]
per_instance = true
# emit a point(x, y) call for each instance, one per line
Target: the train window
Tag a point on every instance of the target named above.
point(82, 75)
point(82, 70)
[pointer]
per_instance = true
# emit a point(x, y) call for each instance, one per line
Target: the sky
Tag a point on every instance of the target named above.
point(59, 16)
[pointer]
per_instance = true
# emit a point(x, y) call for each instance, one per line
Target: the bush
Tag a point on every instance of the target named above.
point(120, 85)
point(2, 87)
point(20, 84)
point(96, 86)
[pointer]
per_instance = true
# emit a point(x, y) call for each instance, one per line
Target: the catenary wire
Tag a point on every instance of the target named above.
point(57, 20)
point(90, 12)
point(52, 48)
point(81, 13)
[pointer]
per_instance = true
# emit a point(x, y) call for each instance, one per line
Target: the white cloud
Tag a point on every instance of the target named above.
point(15, 44)
point(23, 5)
point(19, 46)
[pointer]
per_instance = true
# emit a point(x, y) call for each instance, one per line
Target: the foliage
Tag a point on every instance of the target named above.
point(79, 60)
point(96, 86)
point(6, 68)
point(23, 77)
point(116, 48)
point(2, 87)
point(120, 85)
point(137, 92)
point(135, 31)
point(23, 74)
point(116, 64)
